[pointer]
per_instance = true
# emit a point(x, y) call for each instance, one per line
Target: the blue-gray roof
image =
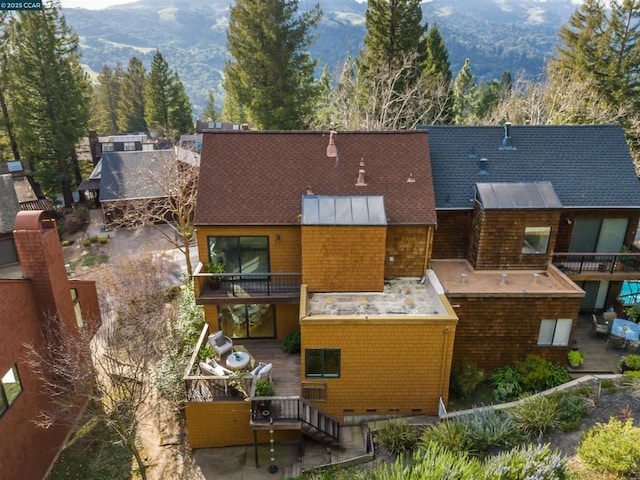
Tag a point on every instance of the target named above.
point(132, 175)
point(588, 165)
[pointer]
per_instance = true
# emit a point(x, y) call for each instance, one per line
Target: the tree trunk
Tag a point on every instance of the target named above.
point(9, 127)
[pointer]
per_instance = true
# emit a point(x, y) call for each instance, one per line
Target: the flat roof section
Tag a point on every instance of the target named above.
point(459, 277)
point(401, 296)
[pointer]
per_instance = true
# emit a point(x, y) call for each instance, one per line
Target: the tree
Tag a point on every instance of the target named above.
point(49, 97)
point(107, 97)
point(179, 182)
point(167, 105)
point(113, 374)
point(5, 120)
point(271, 73)
point(131, 105)
point(210, 113)
point(464, 93)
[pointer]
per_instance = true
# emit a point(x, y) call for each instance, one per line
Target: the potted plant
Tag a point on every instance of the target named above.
point(215, 268)
point(629, 363)
point(576, 358)
point(264, 388)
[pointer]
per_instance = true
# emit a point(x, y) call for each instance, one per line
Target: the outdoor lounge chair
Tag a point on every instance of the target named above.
point(220, 343)
point(616, 341)
point(599, 326)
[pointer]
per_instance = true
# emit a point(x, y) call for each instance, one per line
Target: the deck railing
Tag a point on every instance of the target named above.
point(264, 284)
point(574, 263)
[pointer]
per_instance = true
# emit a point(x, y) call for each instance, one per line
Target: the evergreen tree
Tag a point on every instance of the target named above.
point(210, 113)
point(436, 66)
point(8, 139)
point(131, 106)
point(167, 107)
point(271, 73)
point(50, 96)
point(464, 93)
point(106, 97)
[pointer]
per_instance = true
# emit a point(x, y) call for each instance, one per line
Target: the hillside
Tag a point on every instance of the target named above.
point(496, 35)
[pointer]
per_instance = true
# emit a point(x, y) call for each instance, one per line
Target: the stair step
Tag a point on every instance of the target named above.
point(293, 471)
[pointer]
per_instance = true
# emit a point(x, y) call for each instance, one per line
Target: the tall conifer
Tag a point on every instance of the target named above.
point(131, 106)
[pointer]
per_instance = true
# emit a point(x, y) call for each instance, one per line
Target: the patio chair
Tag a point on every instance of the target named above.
point(599, 326)
point(265, 371)
point(634, 346)
point(220, 343)
point(609, 317)
point(616, 341)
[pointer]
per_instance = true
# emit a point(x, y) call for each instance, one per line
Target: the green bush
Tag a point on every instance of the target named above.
point(535, 372)
point(291, 342)
point(103, 240)
point(66, 243)
point(632, 362)
point(85, 242)
point(265, 388)
point(93, 238)
point(465, 378)
point(450, 433)
point(206, 351)
point(613, 447)
point(526, 462)
point(535, 415)
point(506, 383)
point(571, 409)
point(398, 437)
point(557, 375)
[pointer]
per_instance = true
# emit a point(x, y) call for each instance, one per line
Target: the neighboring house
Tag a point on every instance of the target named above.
point(207, 126)
point(39, 294)
point(9, 208)
point(127, 177)
point(340, 215)
point(516, 205)
point(124, 143)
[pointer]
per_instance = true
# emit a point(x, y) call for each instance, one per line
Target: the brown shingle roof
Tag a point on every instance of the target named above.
point(259, 177)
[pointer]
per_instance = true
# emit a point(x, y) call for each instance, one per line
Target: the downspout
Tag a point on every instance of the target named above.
point(443, 363)
point(428, 249)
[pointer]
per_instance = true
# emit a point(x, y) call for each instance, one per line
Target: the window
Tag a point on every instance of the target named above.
point(107, 147)
point(11, 388)
point(76, 307)
point(248, 321)
point(240, 254)
point(129, 146)
point(322, 362)
point(555, 332)
point(536, 240)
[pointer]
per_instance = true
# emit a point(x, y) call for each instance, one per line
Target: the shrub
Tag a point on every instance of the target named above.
point(575, 357)
point(612, 447)
point(557, 376)
point(93, 238)
point(535, 415)
point(525, 463)
point(398, 437)
point(66, 243)
point(85, 242)
point(506, 383)
point(571, 408)
point(465, 378)
point(103, 240)
point(632, 362)
point(206, 351)
point(72, 224)
point(291, 342)
point(264, 388)
point(450, 433)
point(535, 372)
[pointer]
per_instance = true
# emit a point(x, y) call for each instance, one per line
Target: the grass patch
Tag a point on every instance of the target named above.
point(92, 452)
point(93, 259)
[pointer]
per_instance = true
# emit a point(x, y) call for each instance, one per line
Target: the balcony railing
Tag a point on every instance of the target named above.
point(575, 263)
point(267, 284)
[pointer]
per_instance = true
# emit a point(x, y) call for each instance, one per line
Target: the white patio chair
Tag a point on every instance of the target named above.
point(220, 343)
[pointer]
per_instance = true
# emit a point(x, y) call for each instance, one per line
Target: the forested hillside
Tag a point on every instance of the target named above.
point(495, 35)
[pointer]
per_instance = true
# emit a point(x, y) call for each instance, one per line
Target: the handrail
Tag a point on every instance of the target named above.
point(254, 283)
point(578, 262)
point(324, 423)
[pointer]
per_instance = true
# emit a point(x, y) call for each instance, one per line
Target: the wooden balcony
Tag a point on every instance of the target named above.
point(599, 266)
point(238, 288)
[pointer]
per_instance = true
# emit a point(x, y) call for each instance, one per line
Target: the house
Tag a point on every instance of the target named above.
point(516, 206)
point(39, 294)
point(310, 226)
point(126, 178)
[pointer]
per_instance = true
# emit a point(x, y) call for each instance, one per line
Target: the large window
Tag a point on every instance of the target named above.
point(10, 388)
point(555, 332)
point(322, 362)
point(76, 307)
point(248, 321)
point(536, 240)
point(240, 254)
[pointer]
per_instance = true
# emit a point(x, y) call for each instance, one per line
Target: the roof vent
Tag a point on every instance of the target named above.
point(506, 141)
point(360, 181)
point(411, 178)
point(332, 150)
point(483, 166)
point(309, 191)
point(362, 162)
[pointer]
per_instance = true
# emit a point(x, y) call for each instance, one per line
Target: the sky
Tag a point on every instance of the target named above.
point(92, 4)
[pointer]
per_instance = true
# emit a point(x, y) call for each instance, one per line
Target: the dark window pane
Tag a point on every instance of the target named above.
point(332, 363)
point(313, 360)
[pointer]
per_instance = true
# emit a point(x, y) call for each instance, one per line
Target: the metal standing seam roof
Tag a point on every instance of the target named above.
point(517, 195)
point(347, 210)
point(589, 165)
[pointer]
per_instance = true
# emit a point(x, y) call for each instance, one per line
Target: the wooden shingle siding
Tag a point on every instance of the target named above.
point(408, 247)
point(343, 258)
point(451, 238)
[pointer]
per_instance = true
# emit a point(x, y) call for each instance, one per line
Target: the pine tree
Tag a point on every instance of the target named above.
point(106, 98)
point(271, 73)
point(436, 66)
point(131, 106)
point(50, 97)
point(464, 93)
point(7, 134)
point(210, 113)
point(167, 105)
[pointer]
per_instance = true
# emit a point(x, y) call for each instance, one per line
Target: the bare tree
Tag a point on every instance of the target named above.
point(110, 374)
point(178, 184)
point(376, 102)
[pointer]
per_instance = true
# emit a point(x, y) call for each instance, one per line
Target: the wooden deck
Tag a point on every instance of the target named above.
point(597, 359)
point(286, 366)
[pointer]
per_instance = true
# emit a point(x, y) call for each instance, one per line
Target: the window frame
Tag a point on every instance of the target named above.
point(558, 335)
point(309, 353)
point(5, 402)
point(529, 248)
point(240, 252)
point(77, 308)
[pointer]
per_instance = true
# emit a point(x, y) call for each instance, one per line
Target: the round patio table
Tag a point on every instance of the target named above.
point(238, 360)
